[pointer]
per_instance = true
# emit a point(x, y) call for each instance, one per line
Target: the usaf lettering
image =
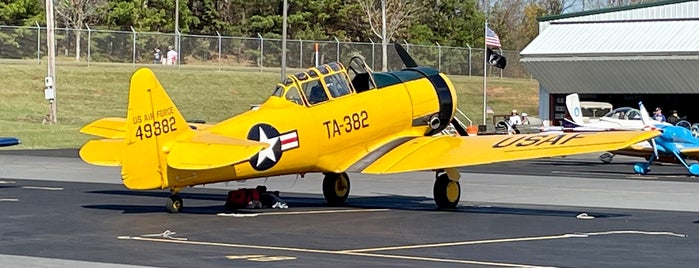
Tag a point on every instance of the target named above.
point(537, 140)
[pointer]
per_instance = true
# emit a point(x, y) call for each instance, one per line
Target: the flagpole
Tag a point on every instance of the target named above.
point(485, 63)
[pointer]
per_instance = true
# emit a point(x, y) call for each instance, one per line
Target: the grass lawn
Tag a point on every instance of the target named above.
point(88, 93)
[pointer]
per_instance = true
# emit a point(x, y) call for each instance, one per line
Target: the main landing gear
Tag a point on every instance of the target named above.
point(447, 190)
point(336, 187)
point(174, 203)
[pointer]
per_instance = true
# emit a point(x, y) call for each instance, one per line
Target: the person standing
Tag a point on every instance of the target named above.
point(514, 121)
point(658, 115)
point(171, 56)
point(673, 118)
point(157, 55)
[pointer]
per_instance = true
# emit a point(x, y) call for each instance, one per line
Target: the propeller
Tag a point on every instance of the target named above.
point(404, 56)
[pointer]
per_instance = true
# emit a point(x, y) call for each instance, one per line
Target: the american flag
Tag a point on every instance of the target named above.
point(491, 38)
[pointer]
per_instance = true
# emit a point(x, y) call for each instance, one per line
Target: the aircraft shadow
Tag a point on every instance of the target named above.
point(314, 202)
point(186, 195)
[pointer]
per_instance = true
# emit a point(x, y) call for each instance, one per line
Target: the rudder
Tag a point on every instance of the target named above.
point(573, 105)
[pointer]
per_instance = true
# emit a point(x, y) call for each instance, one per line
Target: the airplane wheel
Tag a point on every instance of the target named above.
point(694, 169)
point(336, 187)
point(641, 168)
point(174, 204)
point(606, 158)
point(446, 192)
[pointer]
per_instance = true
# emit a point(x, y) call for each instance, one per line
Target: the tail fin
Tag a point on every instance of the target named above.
point(153, 122)
point(573, 105)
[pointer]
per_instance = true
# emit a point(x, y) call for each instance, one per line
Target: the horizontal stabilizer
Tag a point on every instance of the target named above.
point(105, 152)
point(109, 127)
point(208, 150)
point(439, 152)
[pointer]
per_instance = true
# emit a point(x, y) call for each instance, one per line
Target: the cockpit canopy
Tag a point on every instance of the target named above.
point(329, 81)
point(624, 113)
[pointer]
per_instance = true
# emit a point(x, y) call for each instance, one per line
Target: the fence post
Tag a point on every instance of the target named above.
point(262, 52)
point(469, 60)
point(133, 59)
point(89, 42)
point(300, 53)
point(338, 49)
point(219, 50)
point(38, 43)
point(372, 53)
point(501, 53)
point(439, 57)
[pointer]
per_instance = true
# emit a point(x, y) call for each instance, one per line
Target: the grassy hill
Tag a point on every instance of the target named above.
point(87, 93)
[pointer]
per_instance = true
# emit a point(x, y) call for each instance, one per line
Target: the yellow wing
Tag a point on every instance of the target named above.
point(692, 153)
point(429, 153)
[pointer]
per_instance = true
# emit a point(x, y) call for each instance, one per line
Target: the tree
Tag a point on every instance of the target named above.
point(397, 14)
point(20, 12)
point(75, 13)
point(451, 22)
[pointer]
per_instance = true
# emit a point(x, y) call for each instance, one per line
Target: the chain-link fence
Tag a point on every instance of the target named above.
point(134, 47)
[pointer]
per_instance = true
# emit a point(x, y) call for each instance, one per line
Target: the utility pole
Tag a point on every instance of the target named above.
point(50, 80)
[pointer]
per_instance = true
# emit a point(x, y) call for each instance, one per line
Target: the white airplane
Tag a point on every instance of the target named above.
point(624, 118)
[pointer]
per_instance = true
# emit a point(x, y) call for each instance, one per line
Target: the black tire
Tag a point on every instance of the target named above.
point(446, 192)
point(336, 187)
point(174, 204)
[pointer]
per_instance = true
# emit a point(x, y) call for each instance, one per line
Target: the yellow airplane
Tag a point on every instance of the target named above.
point(331, 119)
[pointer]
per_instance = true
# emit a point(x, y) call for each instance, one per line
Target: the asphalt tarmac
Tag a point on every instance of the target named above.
point(560, 212)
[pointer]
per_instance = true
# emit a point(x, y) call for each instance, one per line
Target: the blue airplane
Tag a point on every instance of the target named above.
point(675, 145)
point(9, 141)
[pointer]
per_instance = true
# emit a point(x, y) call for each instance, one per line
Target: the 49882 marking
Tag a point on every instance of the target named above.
point(156, 128)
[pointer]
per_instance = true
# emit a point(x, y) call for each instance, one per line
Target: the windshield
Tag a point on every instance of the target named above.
point(625, 113)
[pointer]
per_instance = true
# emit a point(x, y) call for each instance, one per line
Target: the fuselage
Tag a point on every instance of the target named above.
point(330, 133)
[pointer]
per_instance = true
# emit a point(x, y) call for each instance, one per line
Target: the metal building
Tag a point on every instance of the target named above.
point(645, 52)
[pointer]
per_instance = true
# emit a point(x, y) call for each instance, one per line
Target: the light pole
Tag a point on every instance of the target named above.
point(384, 42)
point(284, 15)
point(177, 26)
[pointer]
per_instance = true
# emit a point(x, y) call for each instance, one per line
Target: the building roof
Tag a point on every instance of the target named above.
point(638, 38)
point(590, 13)
point(649, 50)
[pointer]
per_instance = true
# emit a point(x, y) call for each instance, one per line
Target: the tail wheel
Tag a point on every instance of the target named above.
point(336, 187)
point(446, 192)
point(174, 204)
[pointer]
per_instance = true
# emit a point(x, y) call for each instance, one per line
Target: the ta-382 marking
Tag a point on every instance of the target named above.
point(355, 121)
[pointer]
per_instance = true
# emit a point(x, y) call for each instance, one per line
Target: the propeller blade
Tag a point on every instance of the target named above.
point(404, 56)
